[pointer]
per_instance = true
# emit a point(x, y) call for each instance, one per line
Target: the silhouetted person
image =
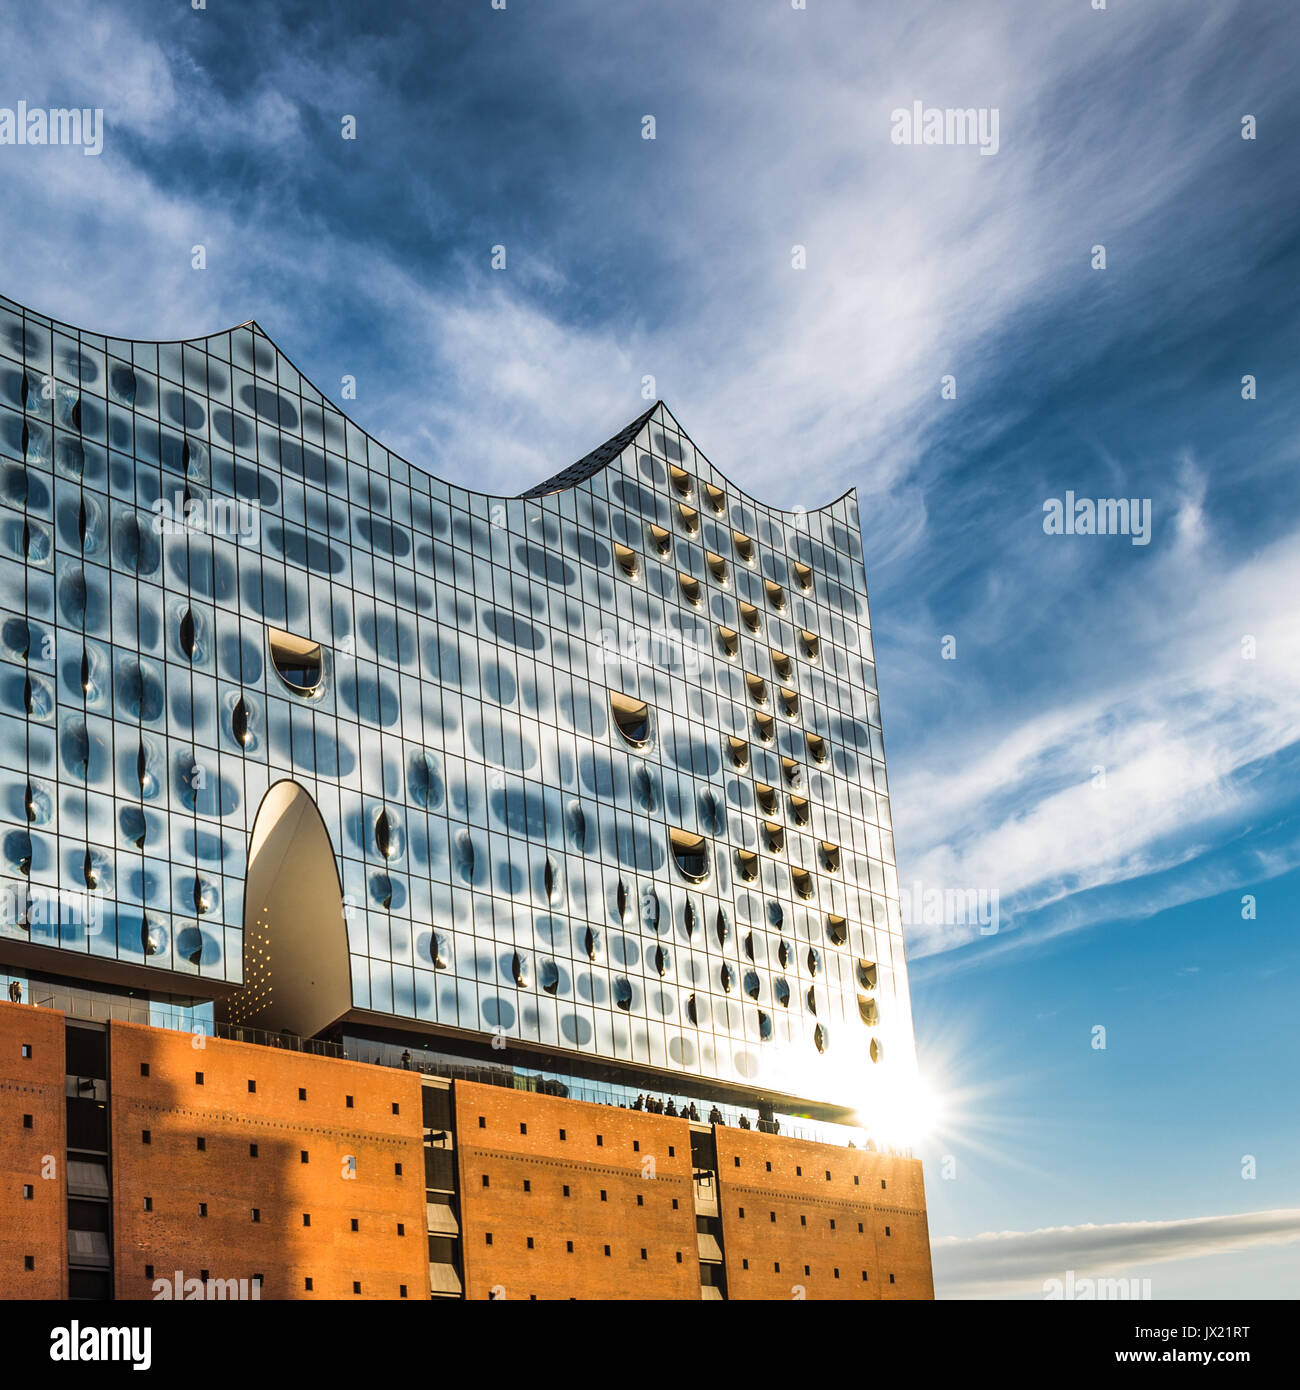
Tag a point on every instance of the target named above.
point(693, 1112)
point(744, 1122)
point(406, 1061)
point(715, 1116)
point(15, 992)
point(639, 1102)
point(672, 1109)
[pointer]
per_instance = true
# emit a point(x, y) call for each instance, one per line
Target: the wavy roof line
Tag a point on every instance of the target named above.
point(586, 467)
point(591, 464)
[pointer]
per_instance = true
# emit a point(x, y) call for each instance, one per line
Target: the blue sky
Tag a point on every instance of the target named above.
point(1120, 894)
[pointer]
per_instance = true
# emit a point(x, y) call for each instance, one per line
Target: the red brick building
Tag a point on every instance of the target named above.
point(203, 1167)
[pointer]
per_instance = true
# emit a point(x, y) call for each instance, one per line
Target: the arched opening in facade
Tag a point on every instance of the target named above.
point(297, 976)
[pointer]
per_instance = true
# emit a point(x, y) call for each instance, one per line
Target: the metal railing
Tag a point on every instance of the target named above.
point(390, 1055)
point(98, 1009)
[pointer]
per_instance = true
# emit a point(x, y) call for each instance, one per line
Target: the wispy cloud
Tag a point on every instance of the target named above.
point(1156, 761)
point(914, 264)
point(672, 259)
point(1009, 1263)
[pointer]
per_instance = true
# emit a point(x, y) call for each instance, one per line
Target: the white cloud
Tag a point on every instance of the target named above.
point(1178, 719)
point(1001, 1264)
point(800, 383)
point(797, 383)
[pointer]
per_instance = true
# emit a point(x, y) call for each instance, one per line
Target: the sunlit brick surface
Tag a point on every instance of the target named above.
point(629, 1212)
point(658, 1174)
point(32, 1157)
point(178, 1176)
point(785, 1232)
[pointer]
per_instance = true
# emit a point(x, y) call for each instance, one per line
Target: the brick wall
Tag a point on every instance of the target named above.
point(625, 1228)
point(877, 1205)
point(32, 1156)
point(177, 1176)
point(514, 1137)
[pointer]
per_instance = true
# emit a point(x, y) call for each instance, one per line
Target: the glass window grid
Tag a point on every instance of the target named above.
point(576, 527)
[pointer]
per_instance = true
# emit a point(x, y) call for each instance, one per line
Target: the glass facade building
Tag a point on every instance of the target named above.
point(293, 725)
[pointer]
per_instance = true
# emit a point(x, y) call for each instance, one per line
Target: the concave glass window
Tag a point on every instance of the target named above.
point(803, 576)
point(868, 1010)
point(717, 566)
point(830, 857)
point(810, 643)
point(765, 727)
point(799, 810)
point(803, 882)
point(739, 751)
point(385, 841)
point(749, 616)
point(717, 498)
point(757, 689)
point(440, 951)
point(728, 640)
point(627, 560)
point(774, 836)
point(632, 718)
point(153, 938)
point(816, 748)
point(747, 864)
point(576, 822)
point(790, 703)
point(780, 666)
point(690, 518)
point(867, 974)
point(837, 928)
point(660, 539)
point(766, 797)
point(187, 634)
point(721, 927)
point(239, 723)
point(297, 661)
point(681, 479)
point(690, 589)
point(690, 854)
point(744, 547)
point(775, 594)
